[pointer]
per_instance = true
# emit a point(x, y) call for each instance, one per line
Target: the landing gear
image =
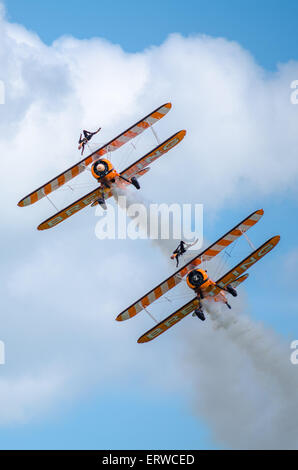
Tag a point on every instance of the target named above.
point(228, 289)
point(228, 305)
point(135, 182)
point(101, 202)
point(231, 290)
point(199, 313)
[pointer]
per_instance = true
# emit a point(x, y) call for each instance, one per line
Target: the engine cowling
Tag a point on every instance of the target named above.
point(196, 278)
point(101, 168)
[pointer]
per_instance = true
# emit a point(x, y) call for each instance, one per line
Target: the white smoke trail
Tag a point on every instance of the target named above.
point(134, 197)
point(245, 385)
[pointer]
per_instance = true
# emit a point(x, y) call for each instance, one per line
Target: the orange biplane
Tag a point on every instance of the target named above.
point(103, 170)
point(198, 280)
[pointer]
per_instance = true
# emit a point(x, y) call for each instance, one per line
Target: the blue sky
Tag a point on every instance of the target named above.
point(268, 30)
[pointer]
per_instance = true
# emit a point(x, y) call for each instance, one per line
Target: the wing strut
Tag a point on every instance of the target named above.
point(249, 241)
point(150, 315)
point(155, 135)
point(50, 200)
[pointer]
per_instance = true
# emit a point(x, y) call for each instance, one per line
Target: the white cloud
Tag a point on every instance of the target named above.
point(23, 397)
point(63, 288)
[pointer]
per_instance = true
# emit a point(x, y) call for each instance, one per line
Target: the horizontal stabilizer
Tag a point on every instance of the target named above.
point(143, 172)
point(239, 280)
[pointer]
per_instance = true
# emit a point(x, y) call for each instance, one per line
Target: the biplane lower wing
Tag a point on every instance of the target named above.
point(170, 321)
point(79, 167)
point(178, 276)
point(233, 275)
point(73, 208)
point(137, 169)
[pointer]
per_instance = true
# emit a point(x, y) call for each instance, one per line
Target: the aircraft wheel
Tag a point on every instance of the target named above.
point(135, 182)
point(231, 290)
point(200, 314)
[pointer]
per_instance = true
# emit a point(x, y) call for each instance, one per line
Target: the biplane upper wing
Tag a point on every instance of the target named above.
point(178, 276)
point(138, 168)
point(233, 275)
point(171, 320)
point(79, 167)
